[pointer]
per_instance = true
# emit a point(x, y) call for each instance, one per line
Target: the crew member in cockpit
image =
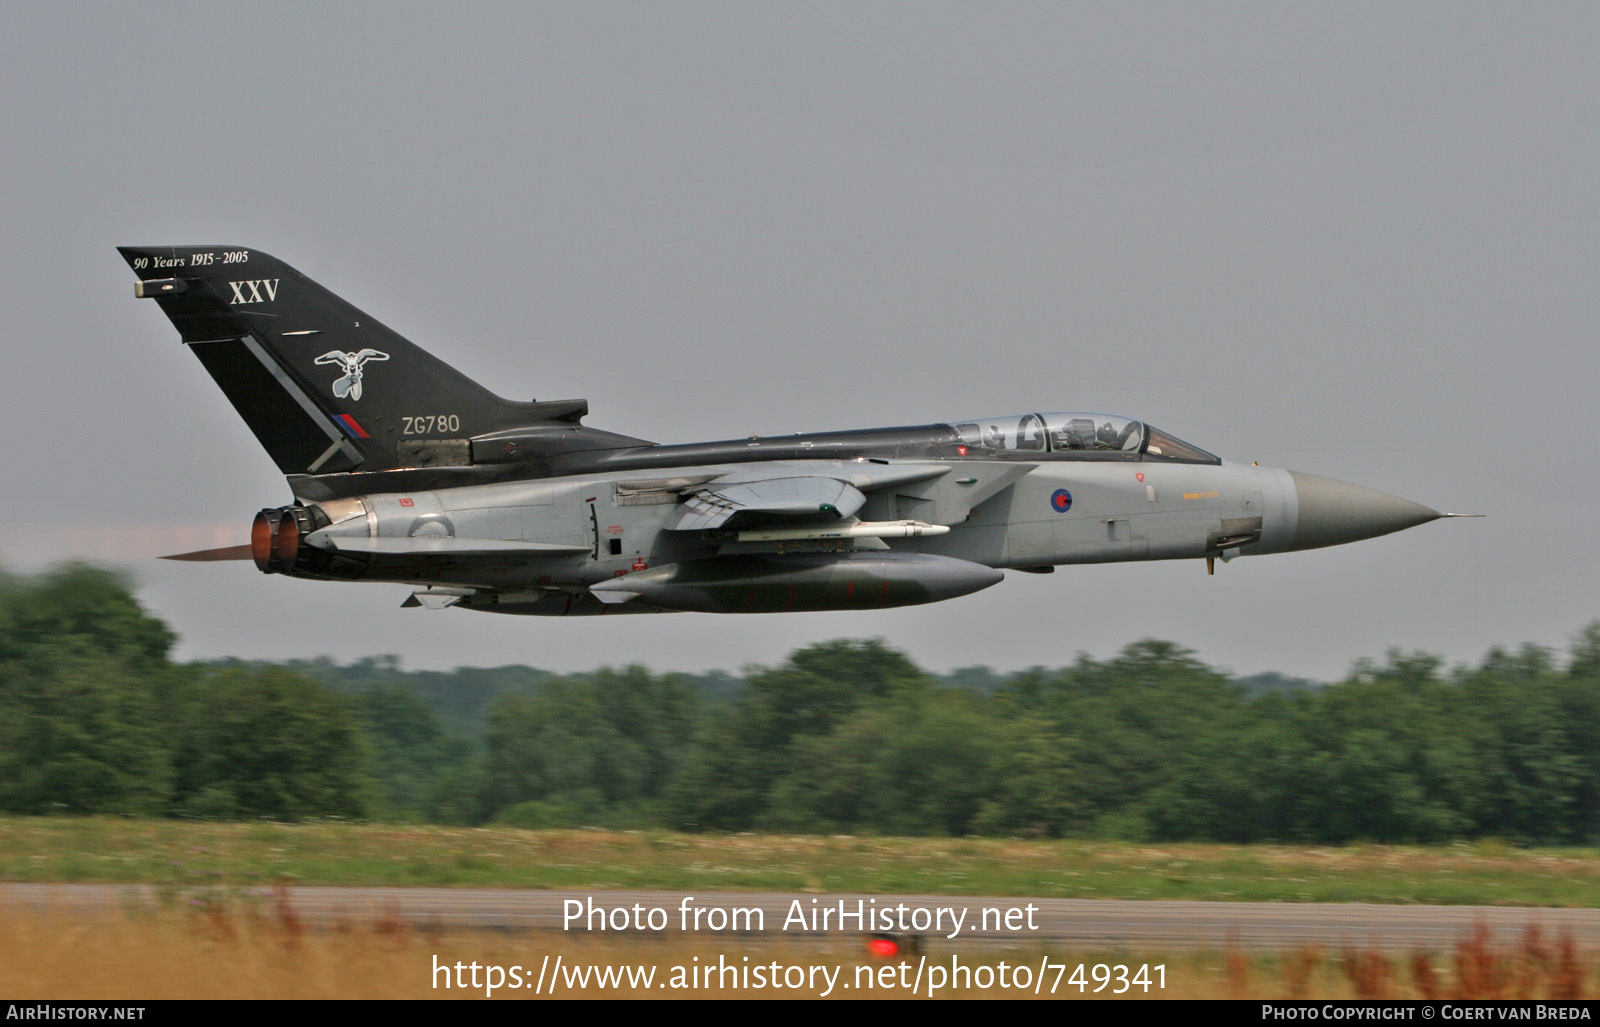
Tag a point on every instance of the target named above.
point(1106, 437)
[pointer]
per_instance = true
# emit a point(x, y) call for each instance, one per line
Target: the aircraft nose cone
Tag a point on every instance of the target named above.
point(1334, 512)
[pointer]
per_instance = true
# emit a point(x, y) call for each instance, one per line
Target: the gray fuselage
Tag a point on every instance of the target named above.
point(1006, 509)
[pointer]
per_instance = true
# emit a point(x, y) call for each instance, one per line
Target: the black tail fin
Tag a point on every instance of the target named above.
point(326, 388)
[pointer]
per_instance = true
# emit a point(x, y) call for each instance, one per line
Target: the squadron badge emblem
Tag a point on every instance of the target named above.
point(350, 364)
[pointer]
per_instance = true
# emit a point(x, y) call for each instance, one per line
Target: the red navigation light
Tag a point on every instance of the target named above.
point(883, 946)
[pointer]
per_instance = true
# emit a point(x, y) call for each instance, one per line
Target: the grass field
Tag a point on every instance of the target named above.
point(181, 853)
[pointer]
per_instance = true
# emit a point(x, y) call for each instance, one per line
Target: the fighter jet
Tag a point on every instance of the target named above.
point(403, 470)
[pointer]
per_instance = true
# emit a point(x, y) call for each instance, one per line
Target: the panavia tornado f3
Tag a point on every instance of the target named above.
point(403, 470)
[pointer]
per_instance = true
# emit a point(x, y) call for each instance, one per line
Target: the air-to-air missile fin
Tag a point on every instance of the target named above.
point(436, 598)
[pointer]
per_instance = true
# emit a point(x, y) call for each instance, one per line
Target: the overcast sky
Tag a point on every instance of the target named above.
point(1356, 239)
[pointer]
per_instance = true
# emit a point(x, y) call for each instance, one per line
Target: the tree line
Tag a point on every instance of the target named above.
point(844, 736)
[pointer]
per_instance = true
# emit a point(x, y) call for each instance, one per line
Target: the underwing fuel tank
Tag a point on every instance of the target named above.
point(787, 582)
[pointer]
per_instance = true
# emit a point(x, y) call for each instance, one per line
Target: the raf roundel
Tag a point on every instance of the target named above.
point(1061, 501)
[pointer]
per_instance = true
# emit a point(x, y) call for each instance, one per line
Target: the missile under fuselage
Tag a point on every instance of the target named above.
point(862, 529)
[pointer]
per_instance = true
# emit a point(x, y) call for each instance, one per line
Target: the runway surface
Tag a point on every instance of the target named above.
point(1087, 923)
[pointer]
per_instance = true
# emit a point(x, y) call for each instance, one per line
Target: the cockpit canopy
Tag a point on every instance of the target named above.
point(1078, 436)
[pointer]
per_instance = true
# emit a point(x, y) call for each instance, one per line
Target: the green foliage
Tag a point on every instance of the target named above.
point(1034, 781)
point(725, 784)
point(276, 743)
point(1119, 730)
point(1578, 695)
point(82, 608)
point(78, 734)
point(604, 746)
point(422, 772)
point(912, 764)
point(534, 815)
point(83, 685)
point(94, 718)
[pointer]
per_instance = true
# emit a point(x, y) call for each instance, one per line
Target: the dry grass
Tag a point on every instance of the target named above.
point(1524, 967)
point(265, 951)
